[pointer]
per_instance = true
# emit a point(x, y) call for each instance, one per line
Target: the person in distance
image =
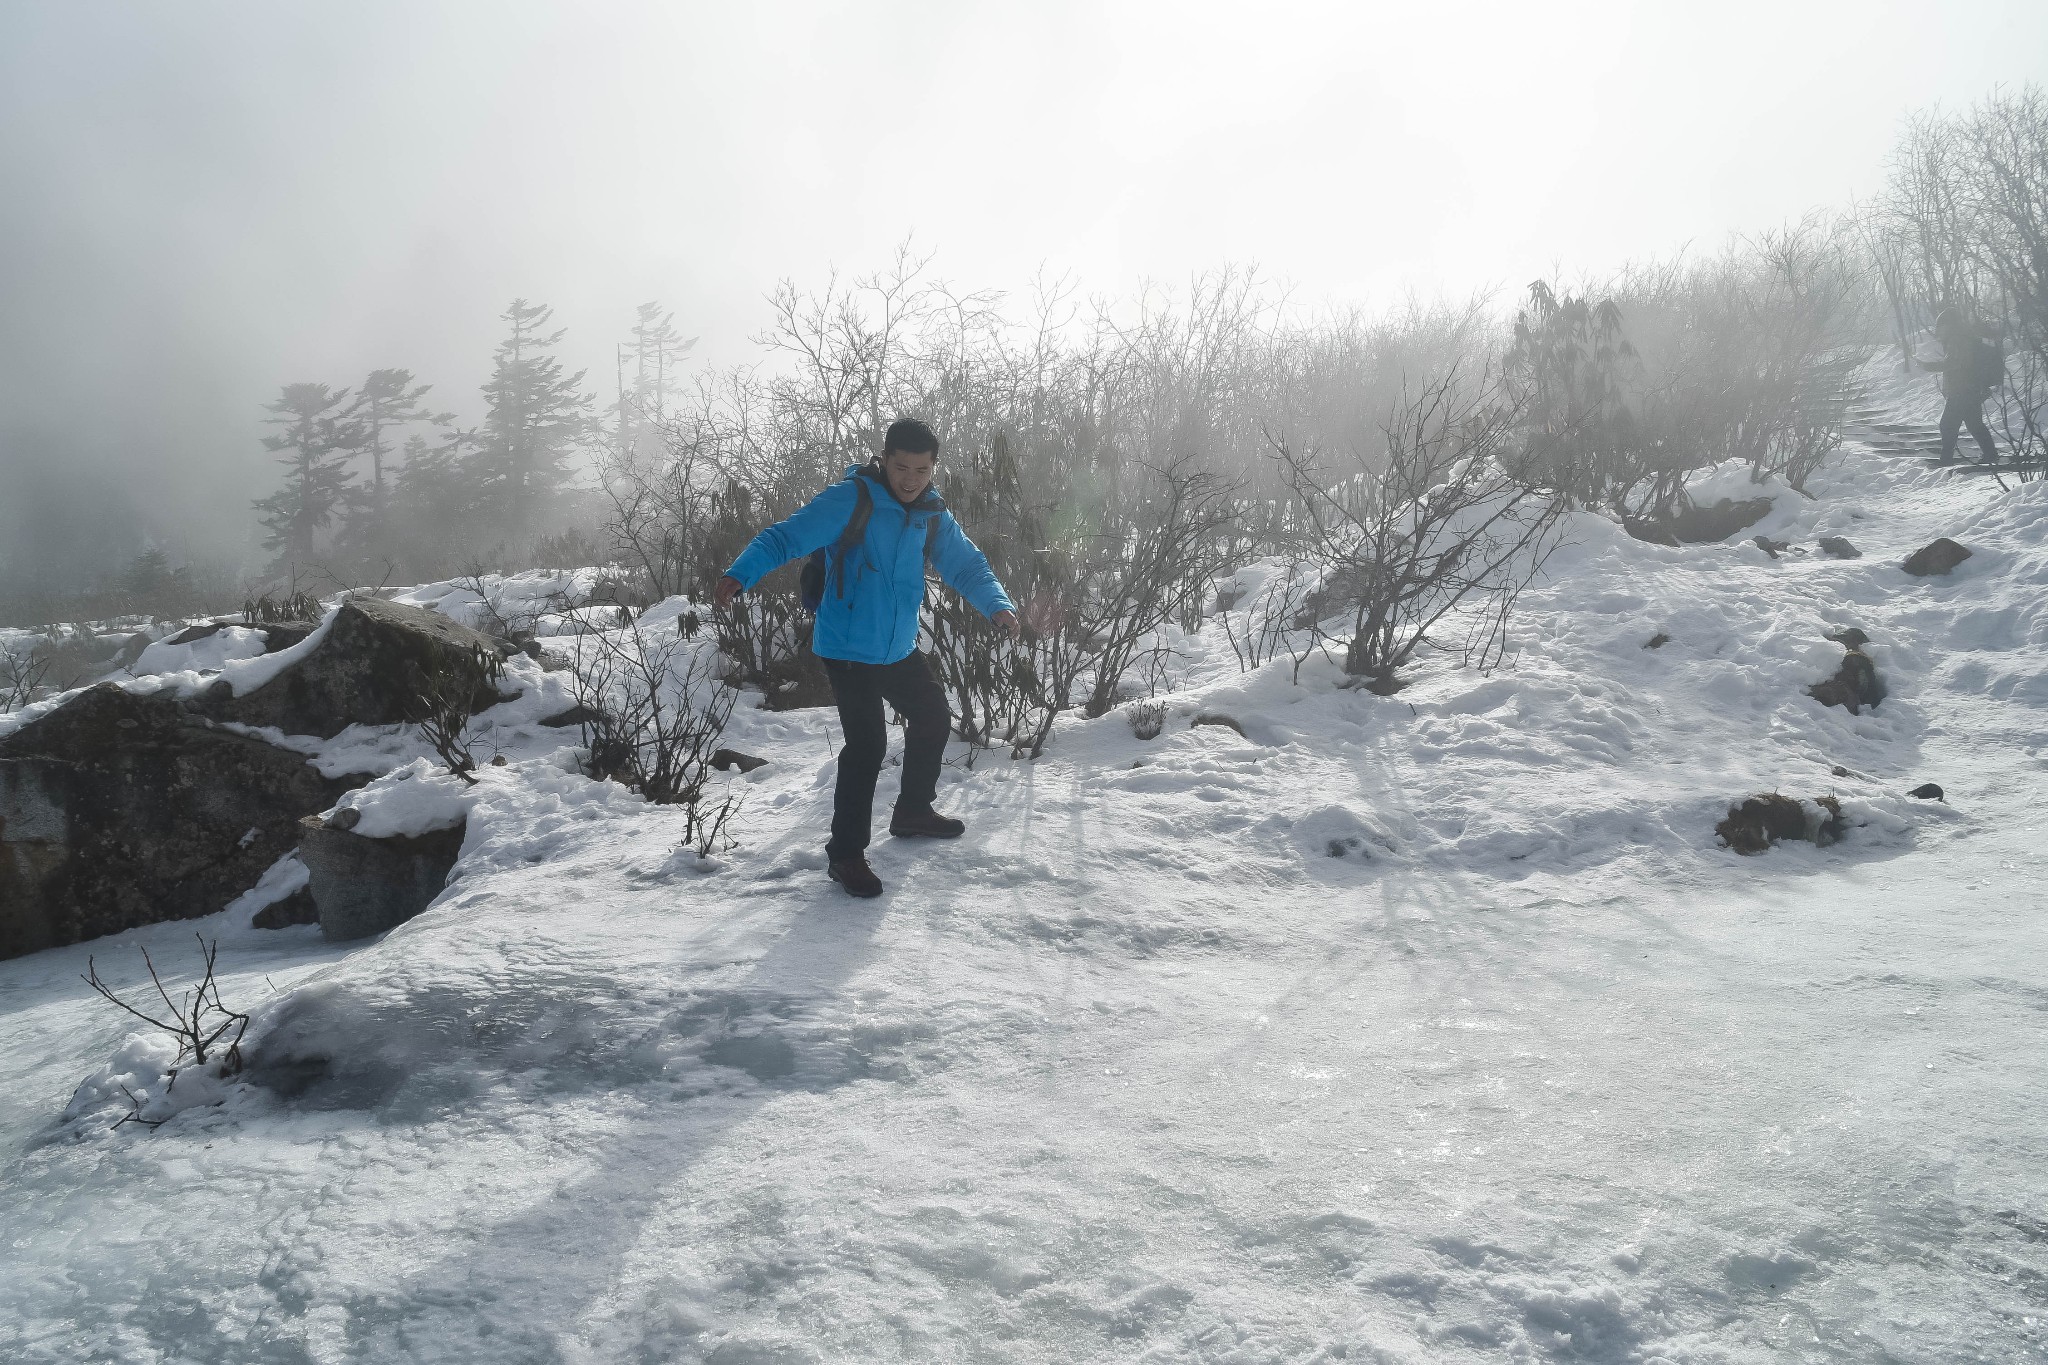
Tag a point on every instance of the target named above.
point(1972, 364)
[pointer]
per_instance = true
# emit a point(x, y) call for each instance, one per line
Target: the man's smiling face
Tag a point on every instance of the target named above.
point(908, 474)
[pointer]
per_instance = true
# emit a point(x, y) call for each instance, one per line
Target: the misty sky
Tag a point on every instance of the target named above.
point(202, 201)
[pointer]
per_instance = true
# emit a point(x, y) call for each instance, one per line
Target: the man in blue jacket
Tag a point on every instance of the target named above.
point(866, 630)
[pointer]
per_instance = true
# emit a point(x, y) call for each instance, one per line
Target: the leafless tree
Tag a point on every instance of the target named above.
point(21, 676)
point(1440, 525)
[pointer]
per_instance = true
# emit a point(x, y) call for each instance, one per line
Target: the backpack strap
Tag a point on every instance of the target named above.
point(855, 532)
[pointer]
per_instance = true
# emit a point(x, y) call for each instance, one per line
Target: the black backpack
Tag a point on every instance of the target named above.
point(812, 583)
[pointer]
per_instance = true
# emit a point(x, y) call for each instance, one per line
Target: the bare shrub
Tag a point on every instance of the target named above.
point(1098, 590)
point(442, 696)
point(1146, 718)
point(21, 676)
point(1441, 525)
point(1270, 621)
point(203, 1027)
point(654, 711)
point(1759, 349)
point(295, 605)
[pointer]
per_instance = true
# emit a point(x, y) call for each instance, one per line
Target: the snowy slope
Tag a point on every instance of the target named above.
point(1139, 1070)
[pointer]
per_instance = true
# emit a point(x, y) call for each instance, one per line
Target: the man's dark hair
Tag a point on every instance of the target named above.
point(912, 437)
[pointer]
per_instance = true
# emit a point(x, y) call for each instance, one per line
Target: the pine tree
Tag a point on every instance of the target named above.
point(433, 502)
point(387, 399)
point(317, 442)
point(536, 416)
point(148, 574)
point(647, 367)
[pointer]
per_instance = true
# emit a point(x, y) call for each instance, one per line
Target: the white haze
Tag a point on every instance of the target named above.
point(202, 201)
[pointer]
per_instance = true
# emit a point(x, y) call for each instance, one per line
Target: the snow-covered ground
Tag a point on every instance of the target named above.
point(1432, 1027)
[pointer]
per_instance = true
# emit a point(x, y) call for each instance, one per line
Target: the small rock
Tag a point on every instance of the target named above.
point(1218, 718)
point(348, 817)
point(1773, 548)
point(1657, 641)
point(1937, 557)
point(725, 760)
point(1854, 686)
point(1928, 791)
point(1839, 548)
point(578, 714)
point(497, 760)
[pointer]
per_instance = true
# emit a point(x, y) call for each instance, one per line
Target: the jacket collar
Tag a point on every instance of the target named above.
point(930, 501)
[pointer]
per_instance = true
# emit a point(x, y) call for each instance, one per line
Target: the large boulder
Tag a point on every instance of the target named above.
point(1935, 557)
point(363, 886)
point(360, 673)
point(118, 810)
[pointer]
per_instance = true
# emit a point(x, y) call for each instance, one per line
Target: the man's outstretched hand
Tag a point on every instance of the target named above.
point(1008, 621)
point(727, 589)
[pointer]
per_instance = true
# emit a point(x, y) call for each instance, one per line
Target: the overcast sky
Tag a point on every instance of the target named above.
point(202, 201)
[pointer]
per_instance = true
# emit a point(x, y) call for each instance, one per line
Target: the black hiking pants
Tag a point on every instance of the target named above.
point(860, 690)
point(1957, 413)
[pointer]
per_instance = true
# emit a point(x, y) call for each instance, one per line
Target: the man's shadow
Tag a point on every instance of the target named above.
point(699, 1067)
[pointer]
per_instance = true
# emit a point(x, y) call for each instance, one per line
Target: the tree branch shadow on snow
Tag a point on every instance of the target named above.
point(582, 1233)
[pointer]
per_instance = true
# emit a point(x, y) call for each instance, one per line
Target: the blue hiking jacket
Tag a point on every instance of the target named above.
point(875, 620)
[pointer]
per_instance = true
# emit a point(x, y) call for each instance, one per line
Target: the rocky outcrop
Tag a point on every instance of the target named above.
point(359, 673)
point(1753, 825)
point(118, 810)
point(1700, 525)
point(363, 886)
point(1836, 547)
point(1936, 557)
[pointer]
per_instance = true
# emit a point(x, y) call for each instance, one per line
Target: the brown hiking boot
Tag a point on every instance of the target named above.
point(927, 822)
point(856, 876)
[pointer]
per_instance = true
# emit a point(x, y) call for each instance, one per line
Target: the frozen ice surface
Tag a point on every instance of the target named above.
point(1432, 1027)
